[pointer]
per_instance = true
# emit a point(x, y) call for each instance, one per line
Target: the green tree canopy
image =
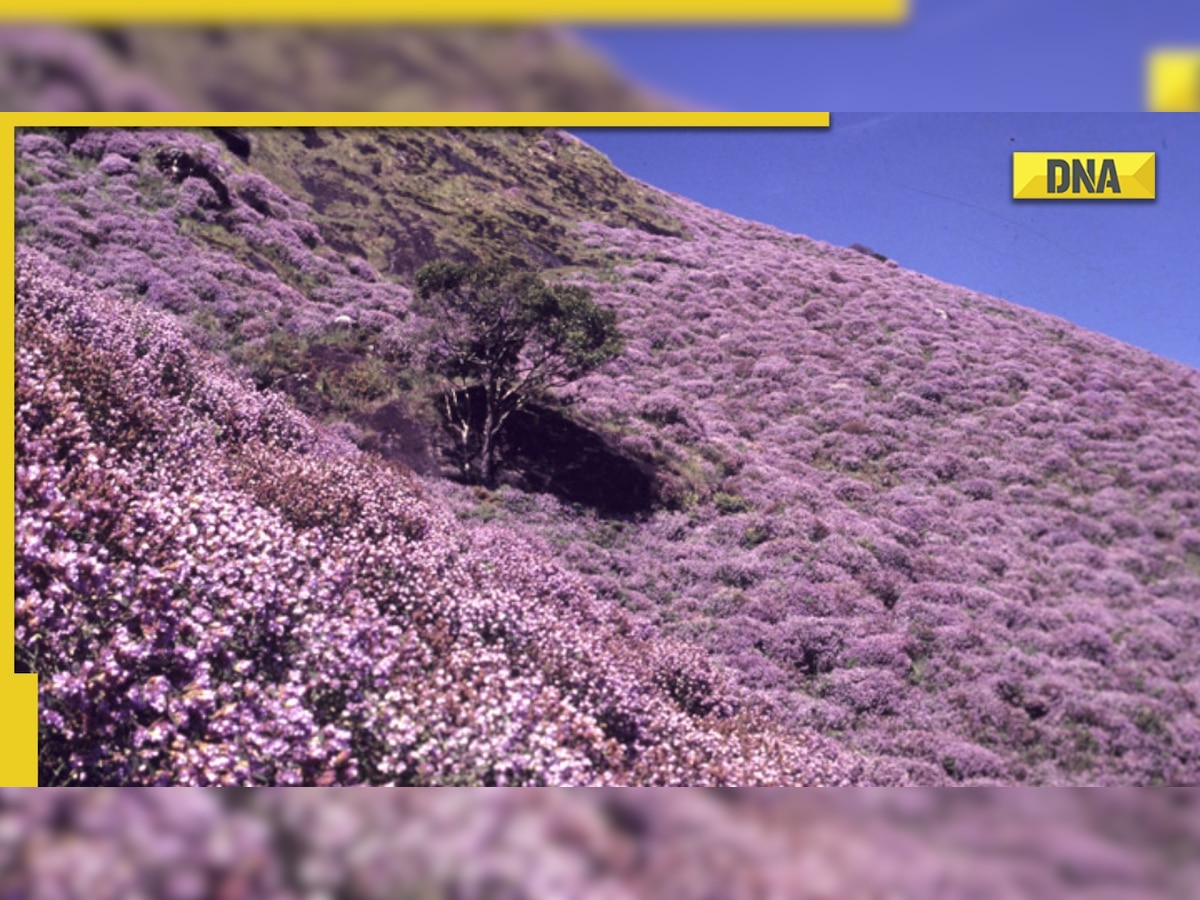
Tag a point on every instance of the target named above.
point(500, 337)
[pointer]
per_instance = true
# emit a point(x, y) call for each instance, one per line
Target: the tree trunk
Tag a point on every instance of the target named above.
point(487, 454)
point(458, 414)
point(486, 465)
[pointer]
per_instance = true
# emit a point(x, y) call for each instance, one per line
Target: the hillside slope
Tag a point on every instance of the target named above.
point(959, 537)
point(215, 592)
point(955, 531)
point(256, 67)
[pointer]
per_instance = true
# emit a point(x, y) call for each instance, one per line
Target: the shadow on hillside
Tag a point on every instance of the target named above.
point(546, 450)
point(542, 450)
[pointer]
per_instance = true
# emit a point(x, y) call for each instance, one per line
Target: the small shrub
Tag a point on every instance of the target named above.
point(728, 504)
point(754, 535)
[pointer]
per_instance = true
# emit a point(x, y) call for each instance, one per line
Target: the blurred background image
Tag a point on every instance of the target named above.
point(281, 67)
point(236, 844)
point(952, 55)
point(982, 55)
point(980, 843)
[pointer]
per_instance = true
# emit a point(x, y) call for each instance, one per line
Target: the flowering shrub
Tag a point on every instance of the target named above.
point(215, 591)
point(934, 463)
point(165, 216)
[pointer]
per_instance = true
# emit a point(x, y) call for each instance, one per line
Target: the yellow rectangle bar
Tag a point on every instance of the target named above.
point(845, 12)
point(1083, 176)
point(18, 693)
point(1173, 80)
point(19, 713)
point(421, 120)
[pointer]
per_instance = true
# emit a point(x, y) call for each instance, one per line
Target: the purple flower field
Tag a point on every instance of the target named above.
point(187, 844)
point(917, 535)
point(966, 535)
point(216, 592)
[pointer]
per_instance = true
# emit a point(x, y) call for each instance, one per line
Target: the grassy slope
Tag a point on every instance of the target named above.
point(401, 198)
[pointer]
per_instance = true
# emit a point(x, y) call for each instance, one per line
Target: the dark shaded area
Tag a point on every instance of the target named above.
point(867, 251)
point(236, 142)
point(628, 818)
point(546, 450)
point(180, 165)
point(114, 41)
point(312, 140)
point(542, 449)
point(70, 134)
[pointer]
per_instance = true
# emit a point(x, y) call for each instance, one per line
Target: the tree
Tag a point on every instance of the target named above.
point(500, 338)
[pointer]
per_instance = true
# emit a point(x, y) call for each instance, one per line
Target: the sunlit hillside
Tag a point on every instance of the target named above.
point(825, 520)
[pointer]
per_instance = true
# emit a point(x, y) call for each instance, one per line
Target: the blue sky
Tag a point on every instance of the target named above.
point(995, 55)
point(934, 192)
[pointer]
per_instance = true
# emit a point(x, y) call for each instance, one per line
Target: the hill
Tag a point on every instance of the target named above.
point(826, 520)
point(231, 68)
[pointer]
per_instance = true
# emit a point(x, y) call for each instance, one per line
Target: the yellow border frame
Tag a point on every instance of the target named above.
point(18, 693)
point(474, 12)
point(12, 121)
